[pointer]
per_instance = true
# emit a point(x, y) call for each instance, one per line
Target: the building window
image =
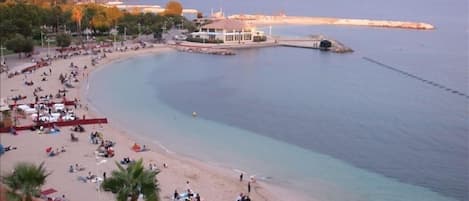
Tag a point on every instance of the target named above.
point(211, 30)
point(238, 37)
point(247, 36)
point(229, 38)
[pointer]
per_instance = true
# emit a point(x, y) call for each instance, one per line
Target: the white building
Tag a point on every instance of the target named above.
point(228, 31)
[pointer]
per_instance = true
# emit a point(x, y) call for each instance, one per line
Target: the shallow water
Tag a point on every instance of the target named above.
point(336, 127)
point(381, 127)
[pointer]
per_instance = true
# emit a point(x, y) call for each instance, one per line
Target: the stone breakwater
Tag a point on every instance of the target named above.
point(263, 20)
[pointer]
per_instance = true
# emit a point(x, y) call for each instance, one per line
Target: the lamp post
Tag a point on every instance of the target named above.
point(125, 34)
point(2, 59)
point(138, 29)
point(42, 41)
point(114, 33)
point(163, 30)
point(48, 46)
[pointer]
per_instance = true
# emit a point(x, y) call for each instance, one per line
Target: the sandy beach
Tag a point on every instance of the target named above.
point(211, 182)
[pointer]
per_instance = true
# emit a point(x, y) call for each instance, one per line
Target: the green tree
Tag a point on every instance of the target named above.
point(173, 8)
point(19, 44)
point(63, 39)
point(100, 21)
point(26, 181)
point(132, 181)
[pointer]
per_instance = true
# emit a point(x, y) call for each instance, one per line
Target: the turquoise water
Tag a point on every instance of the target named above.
point(335, 127)
point(142, 107)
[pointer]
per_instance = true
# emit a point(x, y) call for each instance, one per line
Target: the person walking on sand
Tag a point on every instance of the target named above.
point(176, 195)
point(249, 187)
point(241, 177)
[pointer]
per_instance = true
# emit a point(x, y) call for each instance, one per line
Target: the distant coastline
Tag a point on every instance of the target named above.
point(266, 20)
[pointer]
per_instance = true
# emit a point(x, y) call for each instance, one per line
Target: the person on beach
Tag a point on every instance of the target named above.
point(176, 195)
point(9, 148)
point(249, 187)
point(240, 197)
point(241, 177)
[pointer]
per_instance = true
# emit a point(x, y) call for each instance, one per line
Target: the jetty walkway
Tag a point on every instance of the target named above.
point(313, 42)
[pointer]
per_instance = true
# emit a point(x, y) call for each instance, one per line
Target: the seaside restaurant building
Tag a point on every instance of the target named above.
point(228, 31)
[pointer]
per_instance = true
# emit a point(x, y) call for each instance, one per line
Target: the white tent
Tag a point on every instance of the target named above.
point(3, 105)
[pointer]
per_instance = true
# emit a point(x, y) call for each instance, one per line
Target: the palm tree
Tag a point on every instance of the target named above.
point(26, 181)
point(131, 181)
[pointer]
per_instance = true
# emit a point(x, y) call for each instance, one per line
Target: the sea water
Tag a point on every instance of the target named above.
point(336, 127)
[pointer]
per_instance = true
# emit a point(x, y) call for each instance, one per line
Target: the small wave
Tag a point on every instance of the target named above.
point(163, 147)
point(238, 171)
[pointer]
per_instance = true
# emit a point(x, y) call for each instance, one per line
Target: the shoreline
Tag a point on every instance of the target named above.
point(181, 167)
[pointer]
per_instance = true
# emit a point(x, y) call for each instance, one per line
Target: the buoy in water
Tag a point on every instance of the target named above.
point(194, 114)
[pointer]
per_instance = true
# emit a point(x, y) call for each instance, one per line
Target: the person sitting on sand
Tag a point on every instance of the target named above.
point(144, 148)
point(52, 153)
point(79, 168)
point(109, 152)
point(90, 176)
point(136, 147)
point(71, 170)
point(125, 160)
point(9, 148)
point(73, 137)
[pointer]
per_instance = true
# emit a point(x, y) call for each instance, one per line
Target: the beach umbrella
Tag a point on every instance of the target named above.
point(2, 149)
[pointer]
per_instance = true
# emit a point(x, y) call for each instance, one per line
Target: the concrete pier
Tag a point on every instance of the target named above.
point(313, 42)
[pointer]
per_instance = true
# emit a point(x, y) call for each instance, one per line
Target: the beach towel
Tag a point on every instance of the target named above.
point(48, 191)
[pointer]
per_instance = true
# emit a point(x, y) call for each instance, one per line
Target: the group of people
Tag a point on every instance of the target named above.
point(126, 160)
point(106, 148)
point(51, 152)
point(137, 148)
point(153, 167)
point(243, 197)
point(95, 137)
point(189, 195)
point(76, 168)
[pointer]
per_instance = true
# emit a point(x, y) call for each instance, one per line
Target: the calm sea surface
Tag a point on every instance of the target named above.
point(336, 127)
